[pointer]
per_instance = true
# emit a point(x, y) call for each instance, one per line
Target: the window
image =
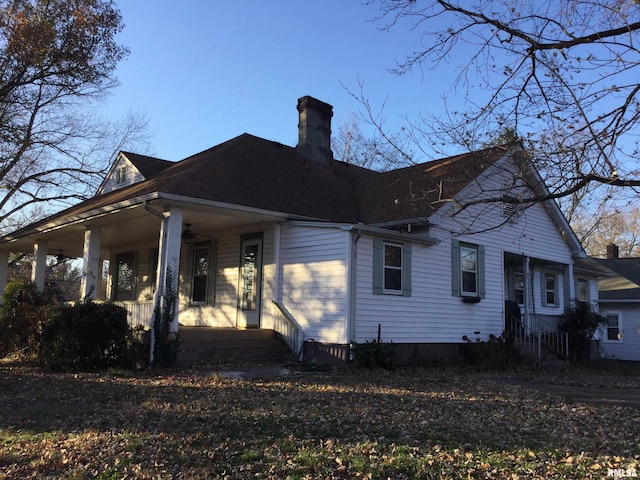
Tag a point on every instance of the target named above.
point(613, 327)
point(125, 276)
point(468, 270)
point(583, 290)
point(200, 273)
point(549, 290)
point(391, 268)
point(121, 174)
point(518, 287)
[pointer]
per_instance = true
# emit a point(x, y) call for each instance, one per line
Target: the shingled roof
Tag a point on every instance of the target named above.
point(147, 166)
point(624, 282)
point(253, 172)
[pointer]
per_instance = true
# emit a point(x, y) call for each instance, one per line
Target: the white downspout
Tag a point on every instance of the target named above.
point(277, 286)
point(351, 320)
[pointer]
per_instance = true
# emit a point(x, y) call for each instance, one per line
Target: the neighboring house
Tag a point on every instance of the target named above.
point(620, 305)
point(256, 234)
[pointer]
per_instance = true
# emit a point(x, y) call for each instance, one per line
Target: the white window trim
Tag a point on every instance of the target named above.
point(544, 291)
point(392, 291)
point(476, 273)
point(379, 268)
point(456, 274)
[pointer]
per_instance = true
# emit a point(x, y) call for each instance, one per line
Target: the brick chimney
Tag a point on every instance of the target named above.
point(612, 251)
point(314, 130)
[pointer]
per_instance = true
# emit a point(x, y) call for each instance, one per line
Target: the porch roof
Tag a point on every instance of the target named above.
point(624, 282)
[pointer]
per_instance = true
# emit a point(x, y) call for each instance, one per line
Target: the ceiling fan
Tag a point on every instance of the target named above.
point(187, 235)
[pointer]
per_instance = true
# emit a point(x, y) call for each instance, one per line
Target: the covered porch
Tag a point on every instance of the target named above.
point(218, 260)
point(536, 293)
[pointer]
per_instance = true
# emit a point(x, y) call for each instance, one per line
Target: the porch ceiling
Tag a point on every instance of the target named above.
point(132, 227)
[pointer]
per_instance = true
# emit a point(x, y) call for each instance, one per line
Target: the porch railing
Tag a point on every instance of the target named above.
point(541, 336)
point(291, 331)
point(139, 313)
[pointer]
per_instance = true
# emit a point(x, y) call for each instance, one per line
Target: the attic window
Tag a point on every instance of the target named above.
point(121, 175)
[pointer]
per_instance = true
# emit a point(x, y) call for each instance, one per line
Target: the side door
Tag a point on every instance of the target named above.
point(250, 283)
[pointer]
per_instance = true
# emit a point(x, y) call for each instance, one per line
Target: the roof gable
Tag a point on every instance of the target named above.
point(130, 168)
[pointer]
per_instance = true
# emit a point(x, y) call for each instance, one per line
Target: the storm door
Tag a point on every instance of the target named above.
point(250, 283)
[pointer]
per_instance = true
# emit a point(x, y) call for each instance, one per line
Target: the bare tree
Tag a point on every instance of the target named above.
point(611, 226)
point(57, 60)
point(563, 74)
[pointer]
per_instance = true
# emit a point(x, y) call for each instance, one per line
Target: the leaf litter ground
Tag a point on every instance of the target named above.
point(343, 423)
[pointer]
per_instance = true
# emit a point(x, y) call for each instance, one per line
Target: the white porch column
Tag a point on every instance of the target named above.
point(91, 263)
point(39, 266)
point(4, 272)
point(569, 286)
point(528, 293)
point(169, 257)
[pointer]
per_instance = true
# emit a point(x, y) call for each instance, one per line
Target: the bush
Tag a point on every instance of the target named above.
point(23, 315)
point(85, 336)
point(138, 344)
point(494, 353)
point(580, 322)
point(373, 354)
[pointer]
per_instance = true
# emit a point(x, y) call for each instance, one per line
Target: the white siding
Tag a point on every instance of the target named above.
point(432, 314)
point(629, 346)
point(314, 280)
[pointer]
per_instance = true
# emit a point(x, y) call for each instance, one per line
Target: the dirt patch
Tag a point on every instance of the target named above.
point(615, 397)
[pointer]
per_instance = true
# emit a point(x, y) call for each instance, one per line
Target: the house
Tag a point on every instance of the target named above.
point(255, 234)
point(620, 304)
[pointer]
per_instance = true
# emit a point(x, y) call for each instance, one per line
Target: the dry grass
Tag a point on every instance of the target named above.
point(414, 423)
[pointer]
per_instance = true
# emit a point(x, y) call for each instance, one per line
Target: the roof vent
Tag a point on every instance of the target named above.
point(314, 130)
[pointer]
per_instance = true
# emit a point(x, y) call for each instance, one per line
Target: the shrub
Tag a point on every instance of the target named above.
point(580, 322)
point(373, 354)
point(85, 336)
point(494, 353)
point(25, 311)
point(138, 344)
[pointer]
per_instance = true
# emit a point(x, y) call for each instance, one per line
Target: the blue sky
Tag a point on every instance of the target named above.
point(206, 71)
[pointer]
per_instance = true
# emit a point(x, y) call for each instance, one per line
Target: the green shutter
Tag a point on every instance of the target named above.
point(406, 269)
point(378, 267)
point(482, 291)
point(455, 268)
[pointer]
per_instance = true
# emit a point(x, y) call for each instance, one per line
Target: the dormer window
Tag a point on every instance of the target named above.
point(121, 175)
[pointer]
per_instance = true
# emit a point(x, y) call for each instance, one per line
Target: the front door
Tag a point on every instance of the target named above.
point(250, 284)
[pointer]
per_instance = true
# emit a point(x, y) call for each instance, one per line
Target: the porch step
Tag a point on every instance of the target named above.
point(550, 357)
point(204, 346)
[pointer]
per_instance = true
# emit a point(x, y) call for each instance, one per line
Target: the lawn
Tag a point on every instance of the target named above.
point(345, 423)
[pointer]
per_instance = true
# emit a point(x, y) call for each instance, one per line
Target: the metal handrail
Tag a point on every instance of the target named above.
point(539, 332)
point(290, 330)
